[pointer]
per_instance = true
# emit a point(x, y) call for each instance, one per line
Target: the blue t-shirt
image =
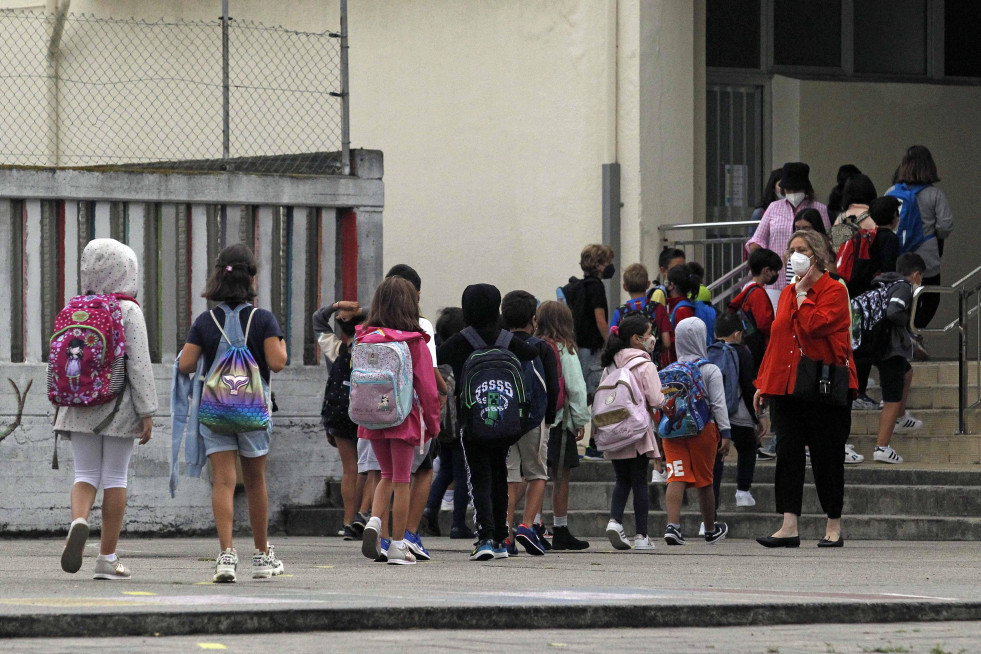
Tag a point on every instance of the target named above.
point(633, 304)
point(205, 334)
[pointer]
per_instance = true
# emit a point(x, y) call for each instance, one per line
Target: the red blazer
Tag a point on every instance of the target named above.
point(821, 326)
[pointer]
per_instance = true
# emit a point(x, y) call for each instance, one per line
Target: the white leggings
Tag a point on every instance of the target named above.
point(101, 459)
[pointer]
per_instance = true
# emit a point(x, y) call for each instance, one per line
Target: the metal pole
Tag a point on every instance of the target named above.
point(962, 362)
point(345, 97)
point(225, 131)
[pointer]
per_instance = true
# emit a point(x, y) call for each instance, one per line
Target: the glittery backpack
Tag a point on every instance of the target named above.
point(87, 354)
point(234, 395)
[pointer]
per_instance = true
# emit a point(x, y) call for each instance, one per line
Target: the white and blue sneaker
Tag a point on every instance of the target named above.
point(414, 543)
point(483, 551)
point(500, 549)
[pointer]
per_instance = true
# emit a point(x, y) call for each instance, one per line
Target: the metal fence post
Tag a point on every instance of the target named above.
point(225, 128)
point(962, 362)
point(345, 97)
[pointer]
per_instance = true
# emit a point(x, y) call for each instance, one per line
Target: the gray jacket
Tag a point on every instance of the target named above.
point(936, 216)
point(689, 343)
point(109, 266)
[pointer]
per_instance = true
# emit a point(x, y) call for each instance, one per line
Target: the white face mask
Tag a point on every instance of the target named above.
point(649, 343)
point(795, 198)
point(800, 263)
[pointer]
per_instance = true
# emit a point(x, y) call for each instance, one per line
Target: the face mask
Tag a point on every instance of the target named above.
point(800, 263)
point(608, 271)
point(795, 198)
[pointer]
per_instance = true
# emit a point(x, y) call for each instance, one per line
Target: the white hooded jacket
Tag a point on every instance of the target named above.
point(109, 266)
point(689, 339)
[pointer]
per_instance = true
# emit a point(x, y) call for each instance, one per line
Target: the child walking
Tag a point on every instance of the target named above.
point(235, 328)
point(102, 435)
point(555, 326)
point(394, 318)
point(629, 346)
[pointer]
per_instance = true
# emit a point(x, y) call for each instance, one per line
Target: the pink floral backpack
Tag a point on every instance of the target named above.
point(87, 356)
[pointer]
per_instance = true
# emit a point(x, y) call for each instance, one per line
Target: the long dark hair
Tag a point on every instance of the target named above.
point(395, 305)
point(813, 218)
point(845, 173)
point(685, 280)
point(635, 324)
point(770, 190)
point(231, 277)
point(859, 189)
point(917, 167)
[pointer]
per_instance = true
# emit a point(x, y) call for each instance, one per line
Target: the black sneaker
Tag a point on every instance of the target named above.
point(543, 536)
point(357, 525)
point(592, 454)
point(563, 540)
point(462, 532)
point(349, 533)
point(718, 534)
point(672, 535)
point(429, 524)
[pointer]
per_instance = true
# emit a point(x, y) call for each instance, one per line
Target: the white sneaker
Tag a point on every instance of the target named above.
point(744, 498)
point(851, 456)
point(659, 477)
point(71, 556)
point(371, 538)
point(445, 506)
point(886, 455)
point(265, 565)
point(111, 570)
point(618, 539)
point(225, 566)
point(643, 543)
point(907, 422)
point(701, 529)
point(864, 403)
point(400, 555)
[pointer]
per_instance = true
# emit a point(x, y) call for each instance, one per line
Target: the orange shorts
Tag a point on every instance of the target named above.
point(692, 460)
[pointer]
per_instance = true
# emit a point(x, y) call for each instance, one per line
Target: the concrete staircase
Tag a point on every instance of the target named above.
point(934, 495)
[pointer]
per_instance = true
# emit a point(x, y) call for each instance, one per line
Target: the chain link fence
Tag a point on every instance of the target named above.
point(80, 91)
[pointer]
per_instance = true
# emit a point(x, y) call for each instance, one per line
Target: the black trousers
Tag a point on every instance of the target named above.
point(744, 442)
point(631, 476)
point(487, 470)
point(824, 430)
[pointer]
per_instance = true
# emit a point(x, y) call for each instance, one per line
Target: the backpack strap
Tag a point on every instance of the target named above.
point(211, 313)
point(503, 339)
point(249, 324)
point(476, 342)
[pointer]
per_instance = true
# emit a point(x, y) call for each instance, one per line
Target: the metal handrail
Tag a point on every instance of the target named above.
point(731, 223)
point(966, 286)
point(739, 272)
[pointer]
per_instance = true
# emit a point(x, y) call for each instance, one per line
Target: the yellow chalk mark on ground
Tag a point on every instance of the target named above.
point(284, 575)
point(211, 646)
point(557, 645)
point(324, 567)
point(204, 583)
point(136, 592)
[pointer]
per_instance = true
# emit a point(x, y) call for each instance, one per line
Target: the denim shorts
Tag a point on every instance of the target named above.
point(250, 444)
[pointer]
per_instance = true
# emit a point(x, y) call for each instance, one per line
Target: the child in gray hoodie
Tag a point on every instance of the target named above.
point(690, 461)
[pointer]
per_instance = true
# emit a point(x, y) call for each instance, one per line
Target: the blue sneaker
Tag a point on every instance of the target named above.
point(529, 540)
point(483, 551)
point(500, 549)
point(414, 543)
point(512, 548)
point(383, 549)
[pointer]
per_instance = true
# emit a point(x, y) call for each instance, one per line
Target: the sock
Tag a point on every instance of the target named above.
point(560, 521)
point(108, 557)
point(397, 543)
point(538, 518)
point(675, 525)
point(448, 496)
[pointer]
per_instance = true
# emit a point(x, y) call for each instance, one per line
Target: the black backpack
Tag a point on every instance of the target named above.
point(870, 328)
point(494, 407)
point(337, 393)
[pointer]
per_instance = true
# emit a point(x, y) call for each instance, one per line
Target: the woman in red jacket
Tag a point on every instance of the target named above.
point(813, 319)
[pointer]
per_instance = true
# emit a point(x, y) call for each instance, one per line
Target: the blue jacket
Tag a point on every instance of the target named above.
point(185, 396)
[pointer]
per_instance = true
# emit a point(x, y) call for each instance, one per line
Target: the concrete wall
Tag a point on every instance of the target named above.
point(35, 498)
point(827, 124)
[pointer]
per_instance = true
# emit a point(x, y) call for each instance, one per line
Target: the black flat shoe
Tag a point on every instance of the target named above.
point(824, 542)
point(777, 541)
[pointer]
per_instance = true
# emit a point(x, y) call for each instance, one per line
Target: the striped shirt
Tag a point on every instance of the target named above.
point(776, 226)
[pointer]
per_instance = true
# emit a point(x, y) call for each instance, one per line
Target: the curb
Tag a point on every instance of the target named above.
point(601, 616)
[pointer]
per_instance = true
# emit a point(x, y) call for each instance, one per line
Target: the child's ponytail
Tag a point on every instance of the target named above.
point(619, 338)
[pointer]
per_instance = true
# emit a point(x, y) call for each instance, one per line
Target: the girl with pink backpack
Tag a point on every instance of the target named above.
point(623, 421)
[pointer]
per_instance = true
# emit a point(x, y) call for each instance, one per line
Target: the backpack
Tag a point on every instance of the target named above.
point(648, 311)
point(234, 396)
point(704, 312)
point(845, 230)
point(655, 289)
point(535, 388)
point(492, 400)
point(910, 229)
point(449, 433)
point(753, 338)
point(619, 411)
point(571, 294)
point(337, 395)
point(870, 329)
point(724, 356)
point(381, 384)
point(686, 410)
point(87, 354)
point(560, 401)
point(855, 248)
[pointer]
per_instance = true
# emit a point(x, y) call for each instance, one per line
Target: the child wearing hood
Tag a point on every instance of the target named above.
point(486, 464)
point(102, 451)
point(690, 461)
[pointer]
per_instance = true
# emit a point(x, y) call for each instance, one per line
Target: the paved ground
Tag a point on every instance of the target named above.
point(329, 585)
